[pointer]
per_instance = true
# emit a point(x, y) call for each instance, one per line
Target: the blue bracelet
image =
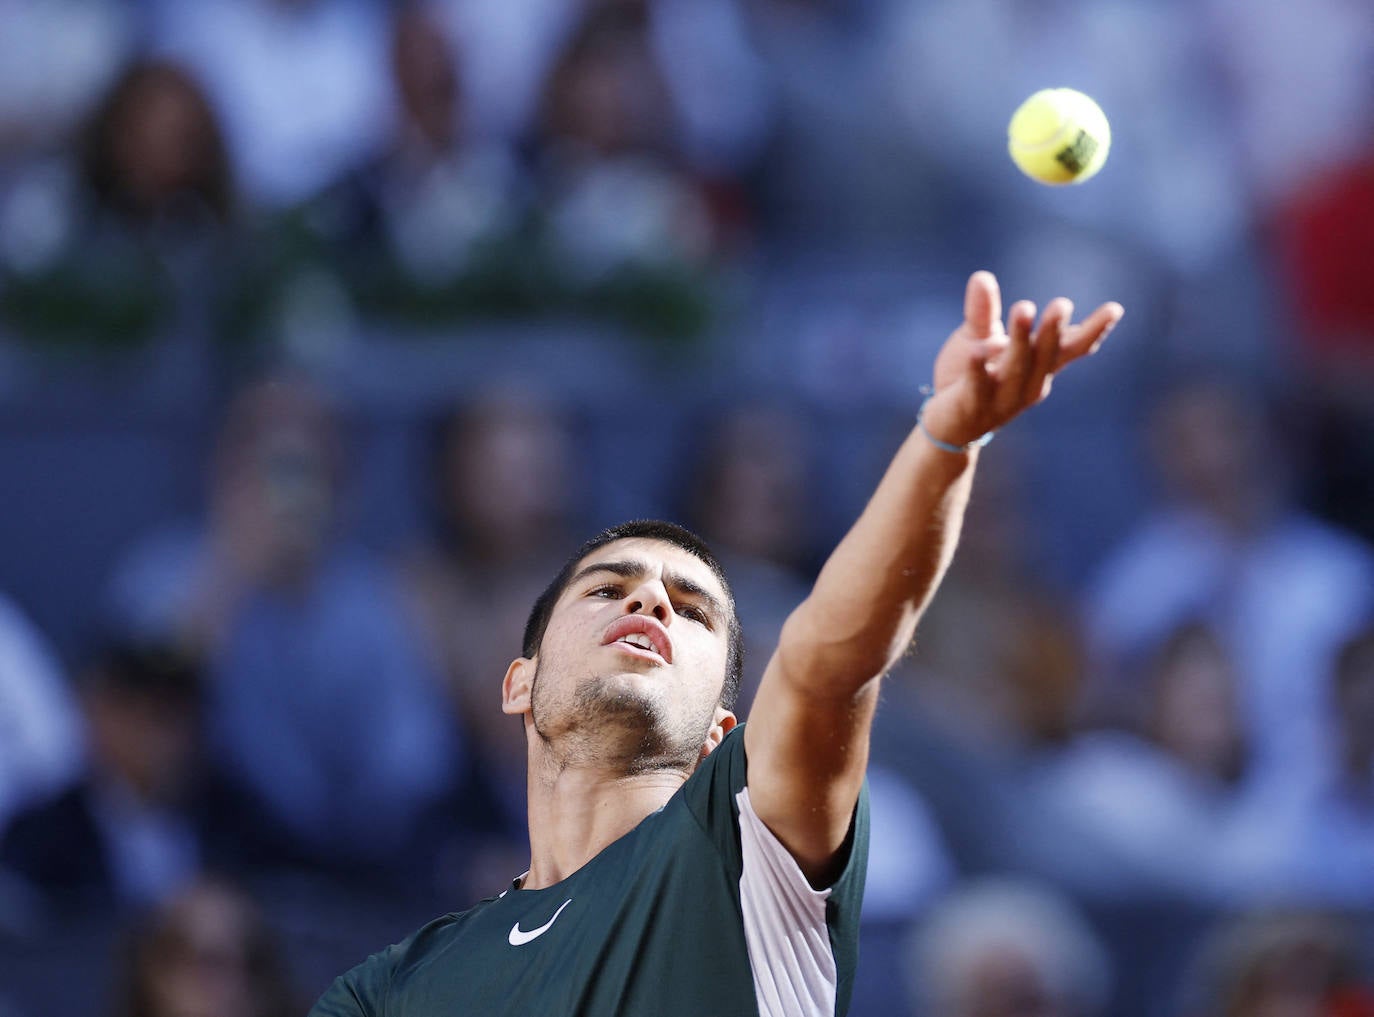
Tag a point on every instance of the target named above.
point(929, 393)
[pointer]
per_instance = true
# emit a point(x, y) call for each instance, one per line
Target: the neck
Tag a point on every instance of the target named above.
point(575, 812)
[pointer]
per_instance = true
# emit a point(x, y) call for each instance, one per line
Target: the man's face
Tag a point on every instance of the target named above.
point(633, 660)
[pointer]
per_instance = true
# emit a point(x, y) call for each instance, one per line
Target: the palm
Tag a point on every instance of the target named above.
point(986, 374)
point(954, 358)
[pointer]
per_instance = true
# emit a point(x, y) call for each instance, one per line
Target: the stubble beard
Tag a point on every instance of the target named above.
point(608, 725)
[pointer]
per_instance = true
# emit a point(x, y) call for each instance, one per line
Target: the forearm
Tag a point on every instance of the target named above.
point(862, 613)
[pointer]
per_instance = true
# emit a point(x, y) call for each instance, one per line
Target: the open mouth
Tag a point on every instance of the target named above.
point(640, 636)
point(639, 641)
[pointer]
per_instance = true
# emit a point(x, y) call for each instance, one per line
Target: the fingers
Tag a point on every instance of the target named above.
point(1015, 365)
point(1015, 368)
point(983, 305)
point(1046, 349)
point(1087, 336)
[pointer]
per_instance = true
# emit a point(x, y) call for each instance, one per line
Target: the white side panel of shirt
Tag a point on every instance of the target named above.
point(794, 968)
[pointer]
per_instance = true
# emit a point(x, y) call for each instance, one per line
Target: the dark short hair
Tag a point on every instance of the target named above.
point(646, 529)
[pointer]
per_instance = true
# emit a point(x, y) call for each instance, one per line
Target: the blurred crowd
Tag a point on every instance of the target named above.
point(1128, 767)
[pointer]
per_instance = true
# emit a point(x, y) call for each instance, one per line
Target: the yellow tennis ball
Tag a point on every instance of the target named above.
point(1059, 136)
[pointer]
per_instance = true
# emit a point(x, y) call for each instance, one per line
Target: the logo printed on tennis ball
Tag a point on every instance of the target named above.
point(1078, 153)
point(1059, 136)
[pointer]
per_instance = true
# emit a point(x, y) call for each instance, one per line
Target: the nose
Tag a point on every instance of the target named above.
point(650, 597)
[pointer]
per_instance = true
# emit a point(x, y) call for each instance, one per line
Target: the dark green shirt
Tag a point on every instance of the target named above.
point(697, 911)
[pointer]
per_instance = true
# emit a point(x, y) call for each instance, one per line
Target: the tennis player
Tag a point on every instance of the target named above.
point(683, 864)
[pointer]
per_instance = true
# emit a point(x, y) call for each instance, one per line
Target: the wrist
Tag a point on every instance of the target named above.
point(941, 438)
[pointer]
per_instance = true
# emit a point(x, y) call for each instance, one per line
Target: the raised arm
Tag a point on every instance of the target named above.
point(808, 731)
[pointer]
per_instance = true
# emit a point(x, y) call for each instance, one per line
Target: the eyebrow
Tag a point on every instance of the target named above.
point(676, 581)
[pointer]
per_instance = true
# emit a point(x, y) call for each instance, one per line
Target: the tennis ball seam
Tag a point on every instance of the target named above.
point(1053, 142)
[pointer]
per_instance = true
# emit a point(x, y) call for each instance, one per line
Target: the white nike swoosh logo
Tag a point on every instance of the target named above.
point(519, 938)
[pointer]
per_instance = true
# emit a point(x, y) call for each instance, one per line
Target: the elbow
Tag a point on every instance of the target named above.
point(830, 655)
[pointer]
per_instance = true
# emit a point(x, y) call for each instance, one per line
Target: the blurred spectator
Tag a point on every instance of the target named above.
point(145, 818)
point(1192, 713)
point(427, 222)
point(715, 80)
point(116, 251)
point(1341, 864)
point(1327, 847)
point(1284, 964)
point(607, 129)
point(320, 701)
point(998, 658)
point(301, 85)
point(1280, 588)
point(628, 225)
point(56, 56)
point(1000, 948)
point(442, 195)
point(503, 499)
point(208, 952)
point(1166, 795)
point(154, 152)
point(607, 219)
point(750, 496)
point(40, 733)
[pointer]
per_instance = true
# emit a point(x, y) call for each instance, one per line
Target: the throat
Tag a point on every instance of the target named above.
point(578, 814)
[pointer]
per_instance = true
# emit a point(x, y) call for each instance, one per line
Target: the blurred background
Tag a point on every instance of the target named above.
point(327, 327)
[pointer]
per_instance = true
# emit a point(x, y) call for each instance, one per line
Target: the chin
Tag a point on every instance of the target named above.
point(631, 709)
point(627, 694)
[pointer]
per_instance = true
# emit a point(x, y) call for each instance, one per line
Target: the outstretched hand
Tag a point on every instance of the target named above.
point(987, 374)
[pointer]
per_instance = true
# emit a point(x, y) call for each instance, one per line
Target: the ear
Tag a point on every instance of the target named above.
point(721, 725)
point(517, 686)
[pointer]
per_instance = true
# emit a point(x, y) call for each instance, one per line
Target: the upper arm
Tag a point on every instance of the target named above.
point(807, 741)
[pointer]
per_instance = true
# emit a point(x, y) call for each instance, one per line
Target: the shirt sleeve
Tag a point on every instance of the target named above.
point(360, 992)
point(712, 796)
